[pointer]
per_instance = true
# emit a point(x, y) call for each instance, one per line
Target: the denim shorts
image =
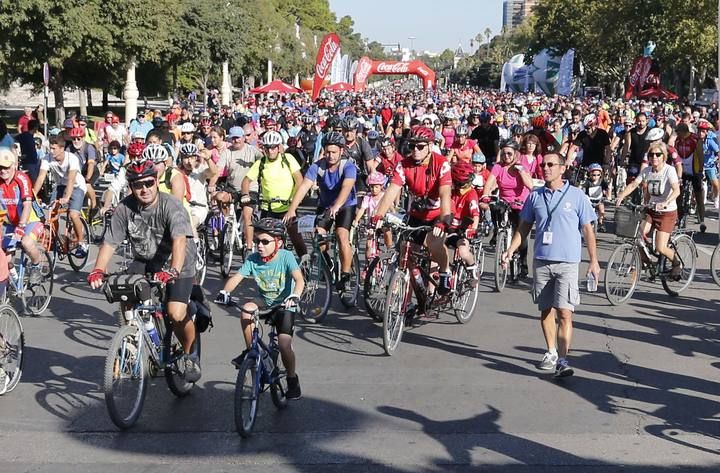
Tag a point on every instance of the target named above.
point(711, 173)
point(76, 198)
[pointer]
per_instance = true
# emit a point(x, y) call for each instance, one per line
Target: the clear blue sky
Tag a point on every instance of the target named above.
point(436, 24)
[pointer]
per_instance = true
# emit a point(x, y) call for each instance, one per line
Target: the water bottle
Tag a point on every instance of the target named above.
point(267, 362)
point(14, 276)
point(150, 328)
point(592, 283)
point(128, 314)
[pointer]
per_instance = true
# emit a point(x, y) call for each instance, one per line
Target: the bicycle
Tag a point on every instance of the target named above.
point(685, 202)
point(501, 215)
point(96, 223)
point(377, 276)
point(634, 254)
point(60, 238)
point(142, 348)
point(715, 265)
point(232, 239)
point(12, 348)
point(260, 369)
point(35, 298)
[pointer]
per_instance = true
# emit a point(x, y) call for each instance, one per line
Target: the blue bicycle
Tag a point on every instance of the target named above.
point(34, 293)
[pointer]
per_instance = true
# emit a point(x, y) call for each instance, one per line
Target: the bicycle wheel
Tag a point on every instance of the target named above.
point(77, 263)
point(126, 377)
point(376, 279)
point(501, 274)
point(686, 252)
point(172, 355)
point(201, 259)
point(315, 299)
point(97, 225)
point(465, 295)
point(715, 265)
point(278, 388)
point(247, 395)
point(622, 274)
point(396, 303)
point(12, 346)
point(36, 297)
point(227, 248)
point(349, 296)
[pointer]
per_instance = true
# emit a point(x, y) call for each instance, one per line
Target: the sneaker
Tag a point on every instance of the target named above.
point(443, 287)
point(676, 271)
point(223, 298)
point(548, 362)
point(523, 271)
point(563, 370)
point(717, 202)
point(191, 368)
point(36, 275)
point(81, 251)
point(237, 361)
point(293, 388)
point(342, 283)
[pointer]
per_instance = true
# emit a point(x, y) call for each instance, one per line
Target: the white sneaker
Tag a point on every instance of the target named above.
point(717, 202)
point(548, 361)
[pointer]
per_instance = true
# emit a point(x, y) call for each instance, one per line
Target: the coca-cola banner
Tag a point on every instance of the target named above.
point(329, 47)
point(367, 67)
point(638, 76)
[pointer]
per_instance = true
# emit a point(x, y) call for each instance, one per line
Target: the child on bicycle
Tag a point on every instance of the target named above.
point(376, 183)
point(280, 281)
point(597, 190)
point(466, 215)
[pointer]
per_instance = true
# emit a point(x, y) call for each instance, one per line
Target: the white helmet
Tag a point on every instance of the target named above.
point(590, 119)
point(187, 127)
point(155, 153)
point(655, 134)
point(272, 138)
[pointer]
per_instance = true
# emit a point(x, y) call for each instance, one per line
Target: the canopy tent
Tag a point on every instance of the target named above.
point(339, 87)
point(276, 86)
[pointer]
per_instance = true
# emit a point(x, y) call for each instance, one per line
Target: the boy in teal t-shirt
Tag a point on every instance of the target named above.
point(280, 281)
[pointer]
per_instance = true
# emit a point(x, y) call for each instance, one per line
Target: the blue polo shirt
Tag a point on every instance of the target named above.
point(573, 211)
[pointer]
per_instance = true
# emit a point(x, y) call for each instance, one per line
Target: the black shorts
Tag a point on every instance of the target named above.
point(695, 179)
point(451, 241)
point(284, 321)
point(269, 214)
point(344, 218)
point(417, 237)
point(177, 291)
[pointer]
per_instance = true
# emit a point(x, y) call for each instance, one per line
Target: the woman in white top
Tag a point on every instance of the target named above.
point(661, 191)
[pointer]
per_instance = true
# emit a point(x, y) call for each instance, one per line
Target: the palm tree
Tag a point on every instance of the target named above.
point(488, 34)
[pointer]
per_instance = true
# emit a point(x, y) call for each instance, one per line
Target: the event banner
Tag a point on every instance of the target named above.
point(329, 48)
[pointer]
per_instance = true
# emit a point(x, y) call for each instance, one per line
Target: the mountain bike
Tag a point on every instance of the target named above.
point(715, 265)
point(261, 368)
point(35, 297)
point(511, 271)
point(634, 256)
point(144, 347)
point(61, 239)
point(377, 276)
point(12, 348)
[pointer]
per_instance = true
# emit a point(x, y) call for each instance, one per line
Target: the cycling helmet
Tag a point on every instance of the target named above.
point(475, 112)
point(270, 122)
point(308, 120)
point(462, 173)
point(590, 120)
point(485, 117)
point(386, 141)
point(517, 130)
point(333, 138)
point(140, 169)
point(594, 167)
point(538, 121)
point(704, 125)
point(272, 138)
point(478, 158)
point(333, 123)
point(421, 134)
point(189, 149)
point(155, 153)
point(375, 178)
point(350, 124)
point(77, 133)
point(187, 127)
point(135, 150)
point(205, 122)
point(271, 226)
point(373, 135)
point(461, 130)
point(510, 144)
point(655, 134)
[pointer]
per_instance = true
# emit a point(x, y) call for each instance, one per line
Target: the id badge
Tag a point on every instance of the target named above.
point(547, 238)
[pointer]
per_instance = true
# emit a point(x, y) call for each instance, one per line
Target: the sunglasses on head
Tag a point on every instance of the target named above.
point(263, 241)
point(549, 164)
point(146, 184)
point(417, 146)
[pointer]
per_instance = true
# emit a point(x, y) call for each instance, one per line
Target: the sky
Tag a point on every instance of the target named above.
point(435, 24)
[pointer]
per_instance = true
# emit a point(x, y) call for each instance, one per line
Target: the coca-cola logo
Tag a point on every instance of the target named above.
point(640, 72)
point(363, 71)
point(393, 68)
point(322, 67)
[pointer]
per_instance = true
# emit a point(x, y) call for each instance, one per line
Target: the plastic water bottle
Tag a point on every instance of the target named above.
point(592, 283)
point(150, 328)
point(14, 276)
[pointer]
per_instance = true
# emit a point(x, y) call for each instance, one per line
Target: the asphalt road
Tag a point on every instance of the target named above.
point(645, 396)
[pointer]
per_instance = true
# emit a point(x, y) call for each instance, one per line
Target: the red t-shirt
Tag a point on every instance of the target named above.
point(464, 153)
point(388, 163)
point(465, 208)
point(686, 147)
point(14, 193)
point(424, 181)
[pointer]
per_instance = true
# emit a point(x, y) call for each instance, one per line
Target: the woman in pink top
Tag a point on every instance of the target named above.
point(448, 133)
point(217, 145)
point(530, 156)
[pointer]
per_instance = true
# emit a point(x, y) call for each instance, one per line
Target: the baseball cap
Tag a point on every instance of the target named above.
point(236, 132)
point(7, 157)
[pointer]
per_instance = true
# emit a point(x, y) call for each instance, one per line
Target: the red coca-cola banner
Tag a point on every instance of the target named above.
point(638, 76)
point(329, 47)
point(367, 67)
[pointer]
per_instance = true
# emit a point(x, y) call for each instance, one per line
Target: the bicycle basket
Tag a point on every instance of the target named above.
point(626, 222)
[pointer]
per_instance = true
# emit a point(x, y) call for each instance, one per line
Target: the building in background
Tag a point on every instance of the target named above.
point(515, 12)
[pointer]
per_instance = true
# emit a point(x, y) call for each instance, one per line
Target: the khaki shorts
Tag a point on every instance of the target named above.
point(555, 284)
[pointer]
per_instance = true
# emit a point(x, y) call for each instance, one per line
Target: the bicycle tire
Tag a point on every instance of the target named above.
point(172, 349)
point(278, 388)
point(463, 294)
point(96, 225)
point(201, 266)
point(715, 265)
point(135, 365)
point(349, 296)
point(376, 274)
point(501, 274)
point(77, 263)
point(227, 248)
point(36, 297)
point(624, 266)
point(247, 396)
point(316, 276)
point(12, 346)
point(395, 310)
point(686, 250)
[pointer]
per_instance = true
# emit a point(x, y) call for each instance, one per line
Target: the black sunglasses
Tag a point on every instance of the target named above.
point(264, 242)
point(417, 146)
point(270, 146)
point(5, 168)
point(146, 184)
point(655, 154)
point(549, 165)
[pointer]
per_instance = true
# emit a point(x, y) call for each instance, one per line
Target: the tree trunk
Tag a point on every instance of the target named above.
point(58, 93)
point(89, 98)
point(174, 78)
point(105, 98)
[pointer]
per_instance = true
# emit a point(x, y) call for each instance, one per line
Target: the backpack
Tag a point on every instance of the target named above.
point(168, 182)
point(263, 160)
point(321, 169)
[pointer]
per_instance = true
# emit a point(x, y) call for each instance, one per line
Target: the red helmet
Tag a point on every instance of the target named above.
point(421, 134)
point(538, 122)
point(205, 122)
point(704, 125)
point(140, 169)
point(77, 133)
point(462, 173)
point(270, 122)
point(135, 150)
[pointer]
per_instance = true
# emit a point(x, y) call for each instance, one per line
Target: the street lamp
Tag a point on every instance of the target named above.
point(412, 38)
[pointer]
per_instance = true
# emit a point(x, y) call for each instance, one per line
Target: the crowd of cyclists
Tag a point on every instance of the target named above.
point(436, 157)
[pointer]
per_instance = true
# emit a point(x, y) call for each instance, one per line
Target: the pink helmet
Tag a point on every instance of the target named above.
point(375, 178)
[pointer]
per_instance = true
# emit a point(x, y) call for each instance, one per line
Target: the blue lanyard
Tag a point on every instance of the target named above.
point(547, 205)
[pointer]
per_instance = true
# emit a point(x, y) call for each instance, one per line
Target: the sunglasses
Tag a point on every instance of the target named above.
point(658, 155)
point(4, 168)
point(418, 147)
point(427, 123)
point(264, 242)
point(78, 139)
point(270, 146)
point(146, 184)
point(596, 174)
point(549, 165)
point(82, 124)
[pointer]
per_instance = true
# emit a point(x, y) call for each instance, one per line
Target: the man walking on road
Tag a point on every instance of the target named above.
point(561, 212)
